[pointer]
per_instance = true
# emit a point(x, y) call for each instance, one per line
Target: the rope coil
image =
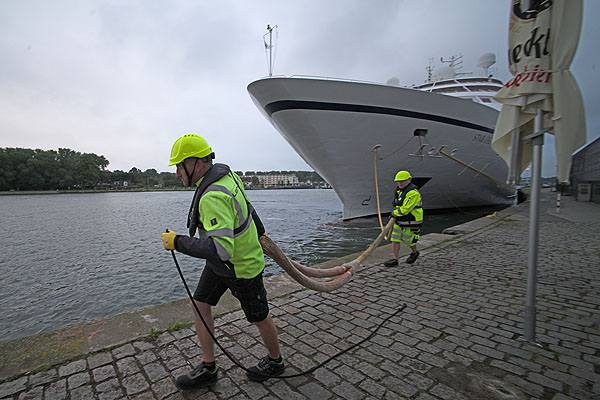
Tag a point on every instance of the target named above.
point(304, 275)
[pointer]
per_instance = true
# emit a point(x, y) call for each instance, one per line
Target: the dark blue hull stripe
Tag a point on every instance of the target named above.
point(282, 105)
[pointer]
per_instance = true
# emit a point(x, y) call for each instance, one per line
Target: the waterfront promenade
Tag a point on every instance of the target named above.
point(458, 338)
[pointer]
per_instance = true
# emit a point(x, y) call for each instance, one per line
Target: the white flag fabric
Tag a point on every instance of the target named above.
point(542, 45)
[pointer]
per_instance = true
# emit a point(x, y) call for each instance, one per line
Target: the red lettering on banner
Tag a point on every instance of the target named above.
point(536, 75)
point(535, 71)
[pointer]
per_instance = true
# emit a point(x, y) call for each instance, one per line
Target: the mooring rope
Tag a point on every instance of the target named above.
point(498, 181)
point(341, 273)
point(304, 275)
point(375, 148)
point(376, 184)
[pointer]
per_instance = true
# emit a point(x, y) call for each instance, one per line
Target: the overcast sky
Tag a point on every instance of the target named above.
point(125, 78)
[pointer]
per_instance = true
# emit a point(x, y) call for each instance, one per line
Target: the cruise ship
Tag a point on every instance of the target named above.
point(357, 135)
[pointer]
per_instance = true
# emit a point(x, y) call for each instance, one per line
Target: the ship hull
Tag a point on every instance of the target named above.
point(334, 126)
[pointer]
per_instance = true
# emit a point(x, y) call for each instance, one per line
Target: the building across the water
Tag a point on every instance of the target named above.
point(283, 180)
point(278, 180)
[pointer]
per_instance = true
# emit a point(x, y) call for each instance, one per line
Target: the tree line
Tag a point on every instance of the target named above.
point(65, 169)
point(27, 169)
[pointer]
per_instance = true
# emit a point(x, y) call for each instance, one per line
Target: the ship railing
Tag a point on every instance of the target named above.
point(326, 78)
point(330, 78)
point(440, 85)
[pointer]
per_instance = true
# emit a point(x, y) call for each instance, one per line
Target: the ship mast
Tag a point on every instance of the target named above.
point(269, 47)
point(456, 63)
point(429, 70)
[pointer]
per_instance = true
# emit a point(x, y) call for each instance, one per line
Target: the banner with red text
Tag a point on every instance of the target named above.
point(542, 44)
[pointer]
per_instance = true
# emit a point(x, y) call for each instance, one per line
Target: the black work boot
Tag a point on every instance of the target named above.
point(413, 257)
point(391, 263)
point(266, 369)
point(197, 378)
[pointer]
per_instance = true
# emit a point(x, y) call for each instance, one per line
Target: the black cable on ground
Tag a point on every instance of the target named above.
point(308, 371)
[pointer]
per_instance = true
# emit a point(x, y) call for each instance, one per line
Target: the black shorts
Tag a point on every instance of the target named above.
point(250, 292)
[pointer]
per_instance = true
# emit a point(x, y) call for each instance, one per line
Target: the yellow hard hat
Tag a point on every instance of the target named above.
point(190, 145)
point(402, 176)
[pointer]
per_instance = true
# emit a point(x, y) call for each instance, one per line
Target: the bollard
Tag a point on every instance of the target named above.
point(558, 203)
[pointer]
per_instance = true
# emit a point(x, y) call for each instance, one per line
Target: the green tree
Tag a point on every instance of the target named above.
point(135, 177)
point(169, 179)
point(152, 177)
point(120, 177)
point(89, 167)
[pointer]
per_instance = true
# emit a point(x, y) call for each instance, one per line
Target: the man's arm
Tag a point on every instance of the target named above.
point(197, 247)
point(217, 246)
point(410, 202)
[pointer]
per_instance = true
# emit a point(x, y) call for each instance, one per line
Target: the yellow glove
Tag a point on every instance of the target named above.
point(168, 239)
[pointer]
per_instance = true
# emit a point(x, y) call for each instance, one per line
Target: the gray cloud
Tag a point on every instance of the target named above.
point(126, 78)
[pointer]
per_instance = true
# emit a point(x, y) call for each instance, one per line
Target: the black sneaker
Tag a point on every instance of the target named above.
point(265, 369)
point(391, 263)
point(412, 258)
point(197, 378)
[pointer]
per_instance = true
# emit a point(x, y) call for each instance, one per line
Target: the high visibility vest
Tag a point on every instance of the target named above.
point(225, 215)
point(408, 207)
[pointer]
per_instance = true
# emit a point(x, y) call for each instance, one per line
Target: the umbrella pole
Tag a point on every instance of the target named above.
point(537, 141)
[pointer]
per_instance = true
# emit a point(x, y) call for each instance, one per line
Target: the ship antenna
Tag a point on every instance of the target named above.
point(269, 47)
point(455, 62)
point(429, 69)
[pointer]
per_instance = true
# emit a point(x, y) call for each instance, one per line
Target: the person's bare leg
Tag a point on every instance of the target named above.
point(395, 249)
point(206, 342)
point(268, 332)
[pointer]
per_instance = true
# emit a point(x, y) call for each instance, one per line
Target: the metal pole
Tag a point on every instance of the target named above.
point(270, 51)
point(518, 164)
point(514, 170)
point(534, 214)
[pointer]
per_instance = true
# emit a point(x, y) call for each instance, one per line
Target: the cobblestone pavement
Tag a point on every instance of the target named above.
point(458, 338)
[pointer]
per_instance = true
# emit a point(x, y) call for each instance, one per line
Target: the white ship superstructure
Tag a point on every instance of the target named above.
point(440, 131)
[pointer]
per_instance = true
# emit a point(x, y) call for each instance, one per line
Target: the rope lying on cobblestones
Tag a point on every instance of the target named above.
point(236, 362)
point(303, 275)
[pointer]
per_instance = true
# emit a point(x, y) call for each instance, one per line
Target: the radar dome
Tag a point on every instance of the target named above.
point(393, 81)
point(443, 73)
point(486, 61)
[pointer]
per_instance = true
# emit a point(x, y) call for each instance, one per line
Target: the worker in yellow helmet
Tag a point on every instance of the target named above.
point(408, 213)
point(229, 231)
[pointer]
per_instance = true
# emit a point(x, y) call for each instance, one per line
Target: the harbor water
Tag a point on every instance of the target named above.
point(73, 258)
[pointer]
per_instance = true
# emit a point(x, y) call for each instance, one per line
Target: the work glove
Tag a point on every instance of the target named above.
point(168, 239)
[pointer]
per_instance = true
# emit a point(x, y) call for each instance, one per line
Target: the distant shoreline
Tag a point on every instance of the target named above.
point(24, 192)
point(87, 191)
